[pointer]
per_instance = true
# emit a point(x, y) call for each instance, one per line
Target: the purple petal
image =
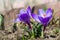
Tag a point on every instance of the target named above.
point(22, 11)
point(29, 10)
point(24, 17)
point(17, 20)
point(49, 12)
point(45, 21)
point(35, 17)
point(41, 12)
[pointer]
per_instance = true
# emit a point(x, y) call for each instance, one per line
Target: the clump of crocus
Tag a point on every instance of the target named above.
point(24, 16)
point(43, 17)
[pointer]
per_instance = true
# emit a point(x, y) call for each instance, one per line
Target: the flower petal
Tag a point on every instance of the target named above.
point(24, 17)
point(17, 20)
point(34, 16)
point(23, 11)
point(29, 10)
point(45, 21)
point(48, 12)
point(41, 12)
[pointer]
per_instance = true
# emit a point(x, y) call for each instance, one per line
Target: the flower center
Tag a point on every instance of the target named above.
point(44, 15)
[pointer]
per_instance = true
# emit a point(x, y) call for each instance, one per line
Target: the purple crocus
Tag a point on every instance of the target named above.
point(24, 16)
point(43, 17)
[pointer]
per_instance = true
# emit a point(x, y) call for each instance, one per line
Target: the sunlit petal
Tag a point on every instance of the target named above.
point(45, 21)
point(22, 11)
point(48, 12)
point(41, 12)
point(34, 16)
point(17, 20)
point(29, 10)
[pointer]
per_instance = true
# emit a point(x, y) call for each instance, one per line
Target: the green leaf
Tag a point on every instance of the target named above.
point(1, 22)
point(56, 31)
point(38, 30)
point(24, 37)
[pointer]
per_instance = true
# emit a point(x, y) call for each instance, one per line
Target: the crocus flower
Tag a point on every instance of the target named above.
point(44, 17)
point(24, 16)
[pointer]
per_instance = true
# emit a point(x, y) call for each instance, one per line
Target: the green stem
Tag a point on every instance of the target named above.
point(33, 34)
point(42, 33)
